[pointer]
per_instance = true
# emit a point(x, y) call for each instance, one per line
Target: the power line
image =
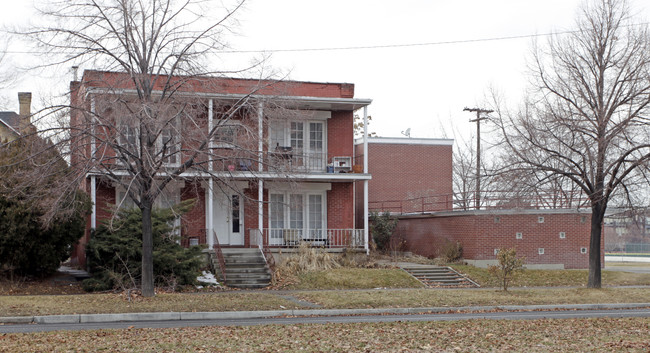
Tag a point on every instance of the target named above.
point(360, 47)
point(364, 47)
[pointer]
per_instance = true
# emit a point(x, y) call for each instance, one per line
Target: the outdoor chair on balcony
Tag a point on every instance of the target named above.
point(291, 237)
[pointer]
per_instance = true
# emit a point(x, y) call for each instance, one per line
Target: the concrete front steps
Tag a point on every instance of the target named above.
point(438, 276)
point(245, 268)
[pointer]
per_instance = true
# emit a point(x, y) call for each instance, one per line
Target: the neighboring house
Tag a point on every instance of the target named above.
point(13, 125)
point(412, 179)
point(280, 192)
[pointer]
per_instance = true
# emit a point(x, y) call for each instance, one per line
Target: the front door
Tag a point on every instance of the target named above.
point(228, 218)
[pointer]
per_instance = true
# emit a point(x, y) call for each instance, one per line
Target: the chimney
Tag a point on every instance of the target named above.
point(25, 111)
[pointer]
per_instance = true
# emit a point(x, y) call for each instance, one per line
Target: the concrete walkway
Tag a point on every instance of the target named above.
point(176, 316)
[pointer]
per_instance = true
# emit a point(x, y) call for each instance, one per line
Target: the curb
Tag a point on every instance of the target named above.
point(216, 315)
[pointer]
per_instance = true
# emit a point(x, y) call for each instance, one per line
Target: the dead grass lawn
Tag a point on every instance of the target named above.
point(573, 335)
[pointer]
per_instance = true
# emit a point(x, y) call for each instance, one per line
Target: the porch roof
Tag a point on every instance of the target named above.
point(249, 175)
point(292, 102)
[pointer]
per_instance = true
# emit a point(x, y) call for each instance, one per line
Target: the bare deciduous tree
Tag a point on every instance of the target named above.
point(587, 120)
point(129, 131)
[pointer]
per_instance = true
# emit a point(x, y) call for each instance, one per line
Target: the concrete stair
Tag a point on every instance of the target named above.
point(438, 276)
point(245, 268)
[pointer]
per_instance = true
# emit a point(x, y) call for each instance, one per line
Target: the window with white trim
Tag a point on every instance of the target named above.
point(169, 145)
point(128, 138)
point(169, 198)
point(303, 141)
point(227, 135)
point(300, 211)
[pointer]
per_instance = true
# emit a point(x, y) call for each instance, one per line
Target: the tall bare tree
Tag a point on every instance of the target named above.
point(587, 121)
point(130, 132)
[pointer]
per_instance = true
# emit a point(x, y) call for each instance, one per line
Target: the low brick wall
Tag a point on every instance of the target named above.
point(547, 238)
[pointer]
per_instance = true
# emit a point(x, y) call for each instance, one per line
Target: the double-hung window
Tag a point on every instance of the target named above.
point(169, 145)
point(128, 138)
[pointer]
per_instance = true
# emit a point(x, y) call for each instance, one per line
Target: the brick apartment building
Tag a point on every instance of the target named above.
point(293, 183)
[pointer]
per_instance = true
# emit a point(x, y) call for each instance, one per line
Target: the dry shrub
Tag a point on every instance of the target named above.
point(355, 259)
point(451, 252)
point(306, 259)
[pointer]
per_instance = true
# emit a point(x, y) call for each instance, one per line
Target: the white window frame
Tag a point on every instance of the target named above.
point(173, 192)
point(306, 217)
point(284, 125)
point(124, 131)
point(236, 127)
point(176, 143)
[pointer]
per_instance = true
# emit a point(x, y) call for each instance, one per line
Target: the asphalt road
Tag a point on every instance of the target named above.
point(520, 315)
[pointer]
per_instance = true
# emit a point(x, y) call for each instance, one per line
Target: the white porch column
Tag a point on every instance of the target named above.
point(210, 226)
point(365, 182)
point(93, 198)
point(260, 166)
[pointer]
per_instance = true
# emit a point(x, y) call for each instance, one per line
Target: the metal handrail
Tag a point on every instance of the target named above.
point(264, 248)
point(220, 259)
point(490, 200)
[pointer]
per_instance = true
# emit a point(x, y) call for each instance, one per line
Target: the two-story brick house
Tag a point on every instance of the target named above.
point(278, 171)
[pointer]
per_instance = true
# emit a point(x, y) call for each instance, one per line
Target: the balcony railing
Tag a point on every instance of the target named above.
point(327, 238)
point(287, 159)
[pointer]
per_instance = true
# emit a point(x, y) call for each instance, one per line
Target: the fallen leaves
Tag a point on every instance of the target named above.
point(571, 335)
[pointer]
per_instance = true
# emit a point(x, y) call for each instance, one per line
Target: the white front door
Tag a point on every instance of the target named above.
point(228, 218)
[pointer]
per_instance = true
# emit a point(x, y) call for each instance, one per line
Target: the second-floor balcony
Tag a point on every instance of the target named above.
point(288, 160)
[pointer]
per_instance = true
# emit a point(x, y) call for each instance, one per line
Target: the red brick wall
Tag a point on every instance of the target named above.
point(117, 80)
point(340, 210)
point(401, 172)
point(251, 210)
point(105, 201)
point(406, 171)
point(481, 234)
point(193, 222)
point(340, 135)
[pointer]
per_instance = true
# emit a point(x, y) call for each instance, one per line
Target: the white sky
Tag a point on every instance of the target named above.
point(423, 87)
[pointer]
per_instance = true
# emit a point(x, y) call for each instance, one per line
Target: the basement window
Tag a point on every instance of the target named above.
point(540, 219)
point(583, 250)
point(519, 235)
point(562, 235)
point(540, 251)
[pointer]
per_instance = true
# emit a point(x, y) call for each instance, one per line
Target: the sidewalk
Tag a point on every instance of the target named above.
point(180, 316)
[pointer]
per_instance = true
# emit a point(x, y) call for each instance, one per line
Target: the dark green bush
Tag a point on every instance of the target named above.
point(41, 218)
point(27, 246)
point(382, 228)
point(114, 252)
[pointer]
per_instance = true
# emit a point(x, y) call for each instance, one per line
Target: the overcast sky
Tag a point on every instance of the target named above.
point(423, 87)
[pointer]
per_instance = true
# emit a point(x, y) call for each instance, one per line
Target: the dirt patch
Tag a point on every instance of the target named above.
point(57, 284)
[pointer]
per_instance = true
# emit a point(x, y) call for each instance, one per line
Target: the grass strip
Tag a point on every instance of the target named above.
point(553, 278)
point(118, 303)
point(467, 297)
point(355, 278)
point(331, 299)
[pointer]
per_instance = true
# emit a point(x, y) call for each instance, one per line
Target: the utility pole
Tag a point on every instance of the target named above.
point(477, 197)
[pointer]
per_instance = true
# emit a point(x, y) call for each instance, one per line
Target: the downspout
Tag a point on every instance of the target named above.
point(365, 182)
